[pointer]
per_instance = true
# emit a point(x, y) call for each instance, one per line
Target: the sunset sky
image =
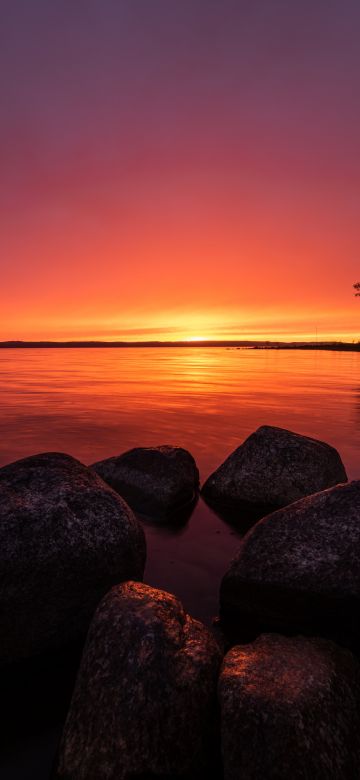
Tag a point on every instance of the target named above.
point(179, 168)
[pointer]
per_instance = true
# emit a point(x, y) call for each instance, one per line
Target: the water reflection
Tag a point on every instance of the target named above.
point(357, 406)
point(97, 403)
point(173, 525)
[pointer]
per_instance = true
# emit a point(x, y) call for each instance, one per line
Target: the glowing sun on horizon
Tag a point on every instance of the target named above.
point(196, 338)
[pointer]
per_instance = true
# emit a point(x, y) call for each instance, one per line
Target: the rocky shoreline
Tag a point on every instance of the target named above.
point(272, 691)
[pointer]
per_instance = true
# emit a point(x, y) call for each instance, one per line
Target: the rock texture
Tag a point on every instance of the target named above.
point(145, 699)
point(156, 481)
point(65, 538)
point(290, 709)
point(271, 469)
point(299, 568)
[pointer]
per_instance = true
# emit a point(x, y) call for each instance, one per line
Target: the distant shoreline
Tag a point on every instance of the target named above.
point(337, 346)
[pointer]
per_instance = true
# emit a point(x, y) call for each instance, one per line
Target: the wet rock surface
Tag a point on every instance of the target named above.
point(65, 538)
point(155, 481)
point(290, 709)
point(298, 570)
point(145, 700)
point(271, 469)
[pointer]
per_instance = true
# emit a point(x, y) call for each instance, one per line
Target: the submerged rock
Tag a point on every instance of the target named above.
point(273, 468)
point(145, 699)
point(156, 481)
point(298, 569)
point(290, 709)
point(65, 538)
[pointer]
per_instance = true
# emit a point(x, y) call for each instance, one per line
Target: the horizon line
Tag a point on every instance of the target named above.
point(192, 342)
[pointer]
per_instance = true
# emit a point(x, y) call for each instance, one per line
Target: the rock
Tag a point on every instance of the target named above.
point(145, 699)
point(290, 708)
point(65, 538)
point(273, 468)
point(299, 569)
point(155, 481)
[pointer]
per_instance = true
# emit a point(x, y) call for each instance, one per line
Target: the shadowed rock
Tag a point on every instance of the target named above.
point(65, 538)
point(272, 468)
point(156, 481)
point(145, 699)
point(290, 709)
point(299, 569)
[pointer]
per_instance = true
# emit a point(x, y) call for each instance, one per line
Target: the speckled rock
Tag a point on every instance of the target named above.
point(65, 538)
point(298, 569)
point(145, 699)
point(155, 481)
point(273, 468)
point(290, 709)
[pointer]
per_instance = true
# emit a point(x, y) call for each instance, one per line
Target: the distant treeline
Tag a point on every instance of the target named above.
point(122, 344)
point(324, 345)
point(338, 346)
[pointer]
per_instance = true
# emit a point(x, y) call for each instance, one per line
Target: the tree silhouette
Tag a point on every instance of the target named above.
point(357, 288)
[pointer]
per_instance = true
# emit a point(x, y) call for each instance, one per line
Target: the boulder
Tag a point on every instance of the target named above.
point(155, 481)
point(145, 700)
point(272, 468)
point(298, 569)
point(65, 538)
point(290, 709)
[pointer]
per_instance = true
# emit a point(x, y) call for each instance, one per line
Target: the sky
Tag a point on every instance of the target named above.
point(179, 169)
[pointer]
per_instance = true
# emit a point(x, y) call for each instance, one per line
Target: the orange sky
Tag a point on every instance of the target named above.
point(180, 170)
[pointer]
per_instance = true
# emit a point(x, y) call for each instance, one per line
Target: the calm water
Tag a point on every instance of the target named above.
point(97, 403)
point(93, 403)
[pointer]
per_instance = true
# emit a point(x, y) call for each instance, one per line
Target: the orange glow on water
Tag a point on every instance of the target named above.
point(94, 403)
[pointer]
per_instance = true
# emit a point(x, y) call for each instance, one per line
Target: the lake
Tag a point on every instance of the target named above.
point(94, 403)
